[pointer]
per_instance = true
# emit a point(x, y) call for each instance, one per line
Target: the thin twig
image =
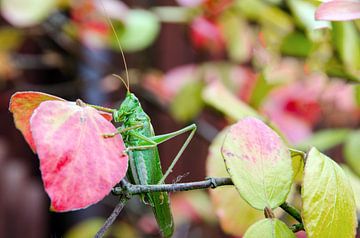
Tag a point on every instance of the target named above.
point(112, 217)
point(127, 189)
point(132, 189)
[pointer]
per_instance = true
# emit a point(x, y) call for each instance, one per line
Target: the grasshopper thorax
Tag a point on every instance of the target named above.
point(130, 105)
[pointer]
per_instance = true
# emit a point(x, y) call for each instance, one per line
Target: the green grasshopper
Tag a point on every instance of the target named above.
point(144, 159)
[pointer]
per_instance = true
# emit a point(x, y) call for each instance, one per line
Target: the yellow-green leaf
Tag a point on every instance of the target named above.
point(189, 92)
point(258, 162)
point(269, 228)
point(328, 200)
point(347, 42)
point(352, 151)
point(234, 214)
point(355, 184)
point(324, 139)
point(216, 95)
point(297, 158)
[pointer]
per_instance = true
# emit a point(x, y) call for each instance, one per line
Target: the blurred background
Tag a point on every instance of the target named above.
point(210, 62)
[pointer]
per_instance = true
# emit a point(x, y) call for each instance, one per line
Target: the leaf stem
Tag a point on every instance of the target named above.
point(292, 211)
point(297, 227)
point(132, 189)
point(113, 216)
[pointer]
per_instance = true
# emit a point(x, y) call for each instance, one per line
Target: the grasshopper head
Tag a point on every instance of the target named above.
point(128, 107)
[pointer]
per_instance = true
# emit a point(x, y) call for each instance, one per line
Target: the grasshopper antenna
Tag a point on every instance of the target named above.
point(127, 82)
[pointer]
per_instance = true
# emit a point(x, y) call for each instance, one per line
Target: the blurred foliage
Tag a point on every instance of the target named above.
point(266, 58)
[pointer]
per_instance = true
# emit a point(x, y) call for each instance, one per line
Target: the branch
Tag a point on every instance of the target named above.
point(126, 190)
point(132, 189)
point(112, 217)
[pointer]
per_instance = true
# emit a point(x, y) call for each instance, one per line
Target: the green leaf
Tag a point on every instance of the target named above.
point(269, 16)
point(347, 42)
point(328, 200)
point(26, 13)
point(216, 95)
point(260, 91)
point(296, 44)
point(324, 139)
point(141, 29)
point(234, 214)
point(190, 92)
point(258, 162)
point(304, 12)
point(237, 35)
point(357, 94)
point(269, 228)
point(355, 184)
point(352, 151)
point(297, 158)
point(334, 68)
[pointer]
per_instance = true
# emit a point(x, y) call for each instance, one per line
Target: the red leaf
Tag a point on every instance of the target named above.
point(338, 10)
point(78, 165)
point(22, 105)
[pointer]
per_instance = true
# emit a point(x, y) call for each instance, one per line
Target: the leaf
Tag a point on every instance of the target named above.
point(328, 200)
point(352, 151)
point(86, 229)
point(216, 95)
point(347, 42)
point(26, 13)
point(22, 105)
point(234, 214)
point(260, 91)
point(338, 10)
point(237, 36)
point(258, 162)
point(141, 29)
point(297, 158)
point(355, 184)
point(189, 92)
point(296, 44)
point(357, 94)
point(78, 165)
point(324, 139)
point(304, 12)
point(269, 228)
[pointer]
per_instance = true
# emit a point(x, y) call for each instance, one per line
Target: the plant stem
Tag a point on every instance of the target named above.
point(297, 227)
point(126, 190)
point(132, 189)
point(112, 217)
point(292, 211)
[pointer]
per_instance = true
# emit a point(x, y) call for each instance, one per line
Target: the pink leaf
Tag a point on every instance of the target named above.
point(23, 104)
point(258, 162)
point(78, 165)
point(338, 10)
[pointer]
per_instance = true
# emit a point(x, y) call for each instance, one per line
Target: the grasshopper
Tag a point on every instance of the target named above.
point(141, 142)
point(144, 159)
